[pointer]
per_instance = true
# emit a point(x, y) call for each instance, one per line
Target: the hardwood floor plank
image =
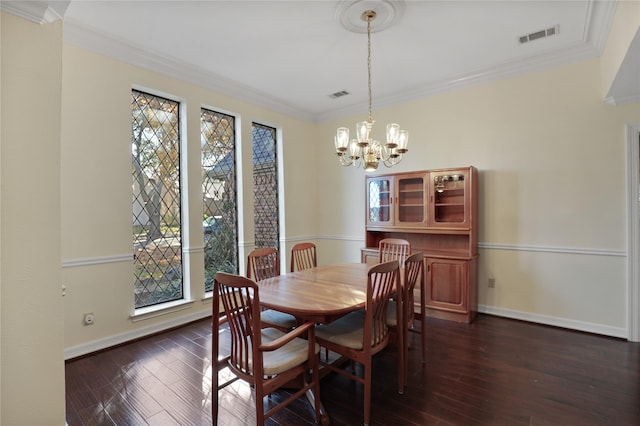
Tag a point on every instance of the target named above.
point(162, 419)
point(123, 413)
point(494, 371)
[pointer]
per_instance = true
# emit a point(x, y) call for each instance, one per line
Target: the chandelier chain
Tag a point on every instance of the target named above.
point(369, 18)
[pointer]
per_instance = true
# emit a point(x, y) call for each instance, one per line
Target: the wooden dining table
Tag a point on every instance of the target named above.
point(322, 294)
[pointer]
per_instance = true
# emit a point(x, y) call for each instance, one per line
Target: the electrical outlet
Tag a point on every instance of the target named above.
point(88, 319)
point(491, 283)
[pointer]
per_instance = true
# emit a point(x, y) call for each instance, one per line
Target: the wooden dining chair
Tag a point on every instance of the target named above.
point(263, 263)
point(401, 311)
point(394, 248)
point(360, 335)
point(266, 358)
point(303, 256)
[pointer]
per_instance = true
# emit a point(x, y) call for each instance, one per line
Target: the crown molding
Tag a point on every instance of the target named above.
point(568, 55)
point(599, 19)
point(40, 12)
point(597, 25)
point(600, 16)
point(623, 100)
point(81, 36)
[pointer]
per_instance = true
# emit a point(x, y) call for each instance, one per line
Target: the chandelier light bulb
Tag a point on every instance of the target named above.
point(403, 141)
point(362, 131)
point(354, 149)
point(342, 139)
point(393, 131)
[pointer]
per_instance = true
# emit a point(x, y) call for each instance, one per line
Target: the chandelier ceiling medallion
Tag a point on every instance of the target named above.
point(364, 151)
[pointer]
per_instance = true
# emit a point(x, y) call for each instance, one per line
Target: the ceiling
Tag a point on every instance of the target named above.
point(291, 55)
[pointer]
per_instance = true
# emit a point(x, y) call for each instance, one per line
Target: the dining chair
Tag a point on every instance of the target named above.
point(266, 358)
point(303, 256)
point(394, 248)
point(263, 263)
point(360, 335)
point(401, 311)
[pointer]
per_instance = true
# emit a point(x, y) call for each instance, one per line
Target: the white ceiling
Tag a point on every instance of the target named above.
point(290, 55)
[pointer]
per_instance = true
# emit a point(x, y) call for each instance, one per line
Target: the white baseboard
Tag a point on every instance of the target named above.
point(107, 342)
point(555, 321)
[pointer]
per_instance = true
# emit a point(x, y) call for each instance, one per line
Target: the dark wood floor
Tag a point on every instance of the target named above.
point(494, 371)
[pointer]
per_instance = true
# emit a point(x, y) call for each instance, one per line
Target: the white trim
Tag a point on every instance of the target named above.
point(191, 250)
point(341, 238)
point(90, 261)
point(40, 12)
point(597, 26)
point(572, 54)
point(299, 239)
point(282, 211)
point(588, 327)
point(153, 311)
point(633, 226)
point(77, 34)
point(72, 263)
point(622, 100)
point(552, 249)
point(598, 23)
point(117, 339)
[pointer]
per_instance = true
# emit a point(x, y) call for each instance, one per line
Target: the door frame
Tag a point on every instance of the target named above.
point(633, 226)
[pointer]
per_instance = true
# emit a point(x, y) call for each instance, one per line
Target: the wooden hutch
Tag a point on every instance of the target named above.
point(436, 211)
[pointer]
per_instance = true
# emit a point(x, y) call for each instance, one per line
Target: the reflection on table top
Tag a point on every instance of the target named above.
point(321, 294)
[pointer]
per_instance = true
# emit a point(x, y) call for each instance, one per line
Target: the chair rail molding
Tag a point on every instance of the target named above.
point(553, 249)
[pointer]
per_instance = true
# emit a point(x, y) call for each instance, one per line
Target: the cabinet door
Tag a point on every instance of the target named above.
point(449, 199)
point(379, 200)
point(447, 284)
point(411, 200)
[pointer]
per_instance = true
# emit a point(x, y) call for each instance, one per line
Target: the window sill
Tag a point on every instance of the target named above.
point(159, 310)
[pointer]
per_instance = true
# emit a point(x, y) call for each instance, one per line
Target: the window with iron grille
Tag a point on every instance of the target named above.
point(220, 223)
point(157, 237)
point(265, 186)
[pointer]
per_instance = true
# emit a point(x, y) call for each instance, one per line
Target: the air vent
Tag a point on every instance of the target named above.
point(339, 94)
point(539, 34)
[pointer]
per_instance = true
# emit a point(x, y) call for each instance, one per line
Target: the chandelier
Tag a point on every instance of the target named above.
point(364, 151)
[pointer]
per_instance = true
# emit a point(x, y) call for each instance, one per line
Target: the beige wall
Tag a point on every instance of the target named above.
point(31, 311)
point(551, 158)
point(96, 192)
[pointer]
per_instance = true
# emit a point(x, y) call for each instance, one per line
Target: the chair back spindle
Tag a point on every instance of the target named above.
point(303, 256)
point(381, 285)
point(394, 249)
point(263, 263)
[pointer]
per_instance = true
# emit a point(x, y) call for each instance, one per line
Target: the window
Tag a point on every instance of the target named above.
point(157, 238)
point(220, 222)
point(265, 186)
